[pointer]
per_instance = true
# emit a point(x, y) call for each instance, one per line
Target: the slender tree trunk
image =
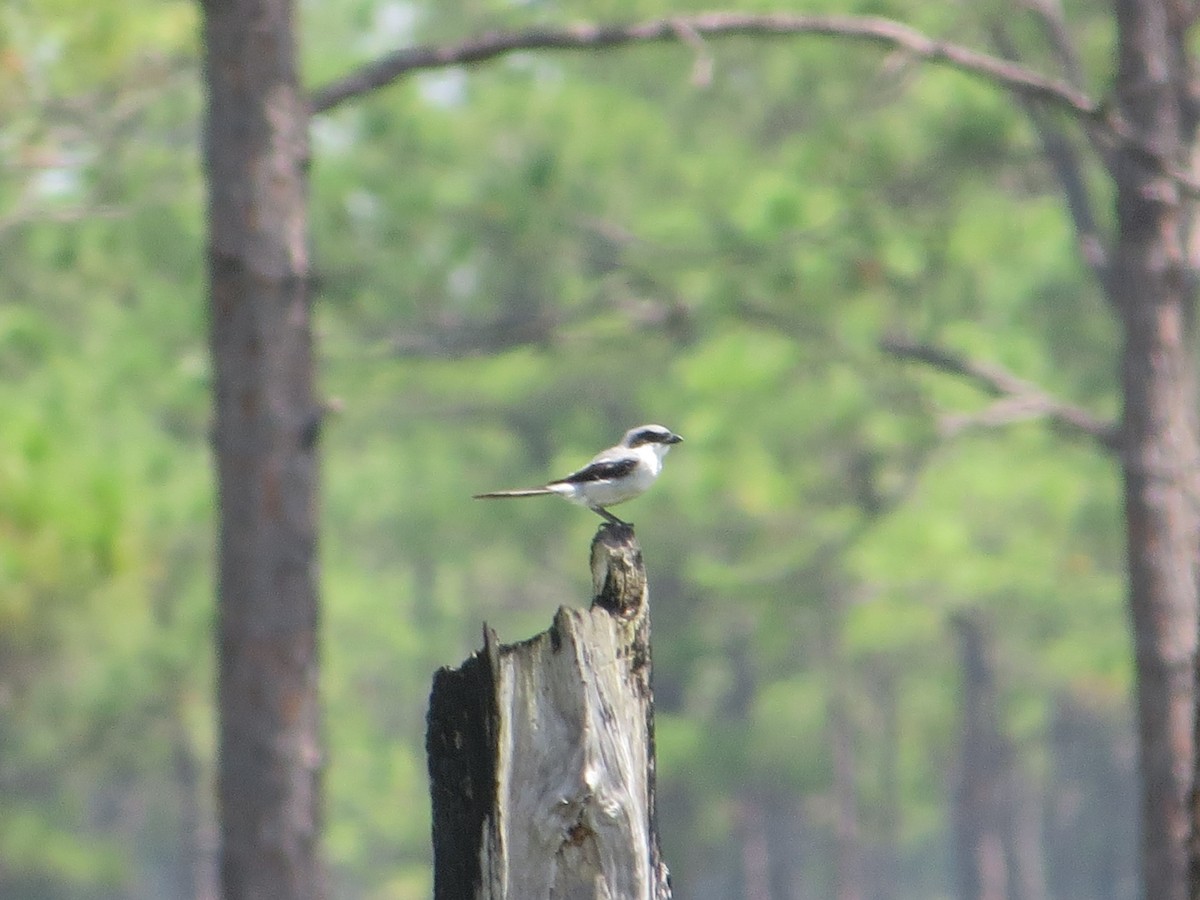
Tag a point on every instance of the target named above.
point(885, 877)
point(265, 430)
point(756, 847)
point(979, 811)
point(1089, 800)
point(1025, 839)
point(848, 855)
point(197, 876)
point(1152, 289)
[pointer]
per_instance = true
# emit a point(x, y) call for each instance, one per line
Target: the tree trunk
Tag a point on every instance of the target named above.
point(753, 835)
point(1091, 793)
point(197, 846)
point(983, 863)
point(541, 754)
point(1152, 288)
point(265, 431)
point(885, 876)
point(1026, 839)
point(848, 851)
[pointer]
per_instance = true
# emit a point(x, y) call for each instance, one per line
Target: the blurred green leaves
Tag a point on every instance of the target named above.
point(512, 266)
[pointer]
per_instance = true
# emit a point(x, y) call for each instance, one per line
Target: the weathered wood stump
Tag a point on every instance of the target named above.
point(541, 754)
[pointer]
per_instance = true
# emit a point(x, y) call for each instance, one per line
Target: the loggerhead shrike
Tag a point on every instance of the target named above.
point(613, 476)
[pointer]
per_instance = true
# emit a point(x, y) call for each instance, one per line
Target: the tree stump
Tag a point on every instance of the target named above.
point(541, 753)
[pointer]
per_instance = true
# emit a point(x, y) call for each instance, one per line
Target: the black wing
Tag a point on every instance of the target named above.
point(601, 471)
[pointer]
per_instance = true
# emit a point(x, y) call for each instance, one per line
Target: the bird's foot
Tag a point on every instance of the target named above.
point(610, 518)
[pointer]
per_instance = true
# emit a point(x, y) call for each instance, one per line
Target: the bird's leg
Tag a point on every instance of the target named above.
point(601, 511)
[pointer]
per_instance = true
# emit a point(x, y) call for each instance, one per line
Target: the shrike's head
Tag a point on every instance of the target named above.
point(656, 437)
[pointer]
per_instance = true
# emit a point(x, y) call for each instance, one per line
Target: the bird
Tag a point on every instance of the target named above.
point(613, 476)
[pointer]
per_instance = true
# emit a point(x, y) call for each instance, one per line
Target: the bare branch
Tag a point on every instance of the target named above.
point(886, 32)
point(456, 337)
point(1018, 400)
point(459, 337)
point(1064, 160)
point(702, 69)
point(28, 214)
point(1052, 19)
point(1102, 120)
point(1050, 15)
point(993, 380)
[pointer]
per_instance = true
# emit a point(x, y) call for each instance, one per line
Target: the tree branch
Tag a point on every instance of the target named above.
point(1100, 117)
point(456, 337)
point(1018, 400)
point(1061, 154)
point(1049, 14)
point(29, 213)
point(886, 32)
point(459, 337)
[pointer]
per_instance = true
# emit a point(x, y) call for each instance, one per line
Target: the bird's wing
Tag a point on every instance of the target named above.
point(601, 470)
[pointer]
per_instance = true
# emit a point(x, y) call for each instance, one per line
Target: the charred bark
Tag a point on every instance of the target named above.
point(541, 754)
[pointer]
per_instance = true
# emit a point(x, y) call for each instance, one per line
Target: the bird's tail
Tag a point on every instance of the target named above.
point(525, 492)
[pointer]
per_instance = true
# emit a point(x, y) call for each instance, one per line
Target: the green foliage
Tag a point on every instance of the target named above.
point(514, 265)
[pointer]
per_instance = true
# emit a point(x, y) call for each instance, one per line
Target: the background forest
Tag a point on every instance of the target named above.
point(888, 615)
